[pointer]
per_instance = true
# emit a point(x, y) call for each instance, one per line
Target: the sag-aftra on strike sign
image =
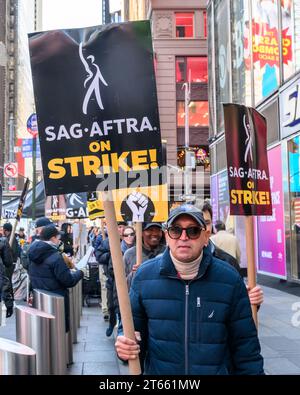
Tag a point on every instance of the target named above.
point(97, 109)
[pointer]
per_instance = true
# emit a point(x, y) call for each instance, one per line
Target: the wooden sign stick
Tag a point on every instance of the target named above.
point(119, 272)
point(250, 248)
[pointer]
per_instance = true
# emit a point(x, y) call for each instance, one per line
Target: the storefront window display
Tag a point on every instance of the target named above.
point(270, 229)
point(265, 47)
point(290, 17)
point(294, 181)
point(240, 47)
point(222, 58)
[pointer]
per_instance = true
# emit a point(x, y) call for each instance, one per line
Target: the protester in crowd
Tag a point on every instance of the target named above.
point(9, 270)
point(21, 234)
point(39, 225)
point(153, 245)
point(103, 256)
point(47, 269)
point(7, 230)
point(67, 239)
point(255, 294)
point(6, 265)
point(128, 238)
point(226, 241)
point(190, 309)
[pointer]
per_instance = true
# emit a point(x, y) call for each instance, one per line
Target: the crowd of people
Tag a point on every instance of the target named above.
point(46, 256)
point(187, 292)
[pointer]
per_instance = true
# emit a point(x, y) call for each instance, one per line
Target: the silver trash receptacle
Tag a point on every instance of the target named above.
point(16, 358)
point(80, 297)
point(73, 323)
point(33, 330)
point(53, 303)
point(69, 348)
point(77, 293)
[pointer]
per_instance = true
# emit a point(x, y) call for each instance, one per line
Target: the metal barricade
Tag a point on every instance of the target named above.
point(53, 303)
point(33, 330)
point(16, 358)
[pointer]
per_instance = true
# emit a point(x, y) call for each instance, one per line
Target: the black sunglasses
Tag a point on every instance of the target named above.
point(192, 232)
point(129, 234)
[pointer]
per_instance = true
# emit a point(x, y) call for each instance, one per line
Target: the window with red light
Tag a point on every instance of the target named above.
point(198, 114)
point(184, 25)
point(194, 66)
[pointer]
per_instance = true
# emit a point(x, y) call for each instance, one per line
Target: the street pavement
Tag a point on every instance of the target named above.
point(279, 333)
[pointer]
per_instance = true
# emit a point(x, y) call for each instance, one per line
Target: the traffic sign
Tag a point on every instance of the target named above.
point(32, 126)
point(27, 145)
point(11, 170)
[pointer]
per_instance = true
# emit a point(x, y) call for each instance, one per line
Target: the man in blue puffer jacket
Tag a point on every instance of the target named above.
point(48, 270)
point(191, 310)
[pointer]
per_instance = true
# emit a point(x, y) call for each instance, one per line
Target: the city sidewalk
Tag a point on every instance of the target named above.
point(280, 340)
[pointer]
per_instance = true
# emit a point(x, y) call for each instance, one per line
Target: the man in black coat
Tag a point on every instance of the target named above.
point(6, 262)
point(47, 269)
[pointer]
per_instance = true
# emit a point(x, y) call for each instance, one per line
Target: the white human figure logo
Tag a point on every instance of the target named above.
point(54, 202)
point(138, 204)
point(74, 198)
point(96, 77)
point(248, 142)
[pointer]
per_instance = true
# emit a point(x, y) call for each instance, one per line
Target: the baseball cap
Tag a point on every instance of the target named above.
point(44, 221)
point(48, 232)
point(7, 226)
point(147, 225)
point(186, 209)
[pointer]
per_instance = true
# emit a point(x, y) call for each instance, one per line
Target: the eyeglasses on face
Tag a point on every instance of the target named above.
point(192, 232)
point(129, 235)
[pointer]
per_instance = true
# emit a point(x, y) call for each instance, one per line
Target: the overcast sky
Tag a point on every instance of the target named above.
point(60, 14)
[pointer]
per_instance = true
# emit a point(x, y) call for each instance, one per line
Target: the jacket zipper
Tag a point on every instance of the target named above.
point(198, 318)
point(186, 343)
point(187, 292)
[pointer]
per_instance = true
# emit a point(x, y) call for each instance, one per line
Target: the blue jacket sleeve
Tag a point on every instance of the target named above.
point(102, 253)
point(243, 341)
point(64, 275)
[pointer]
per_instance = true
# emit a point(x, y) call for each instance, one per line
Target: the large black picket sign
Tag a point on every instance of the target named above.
point(82, 78)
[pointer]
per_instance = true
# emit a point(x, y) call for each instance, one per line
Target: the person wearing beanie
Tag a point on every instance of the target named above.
point(39, 225)
point(191, 311)
point(48, 270)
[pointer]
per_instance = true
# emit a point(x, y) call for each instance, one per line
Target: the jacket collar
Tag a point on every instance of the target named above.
point(167, 267)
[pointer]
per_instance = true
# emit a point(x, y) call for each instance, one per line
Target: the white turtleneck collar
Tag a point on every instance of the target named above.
point(187, 270)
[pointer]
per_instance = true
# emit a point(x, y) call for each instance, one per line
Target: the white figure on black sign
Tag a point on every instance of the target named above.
point(248, 142)
point(96, 78)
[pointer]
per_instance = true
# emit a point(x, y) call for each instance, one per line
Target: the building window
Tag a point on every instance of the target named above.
point(184, 25)
point(195, 67)
point(198, 114)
